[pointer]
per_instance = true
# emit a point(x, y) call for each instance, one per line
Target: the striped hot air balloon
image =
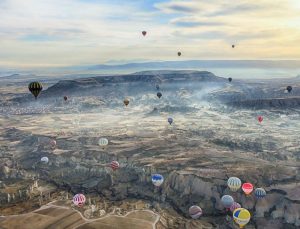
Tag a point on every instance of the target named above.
point(195, 212)
point(241, 216)
point(234, 206)
point(227, 201)
point(157, 179)
point(79, 200)
point(35, 88)
point(234, 184)
point(103, 142)
point(53, 144)
point(247, 188)
point(260, 193)
point(114, 165)
point(45, 160)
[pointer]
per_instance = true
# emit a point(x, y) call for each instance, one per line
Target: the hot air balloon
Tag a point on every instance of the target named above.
point(45, 160)
point(260, 119)
point(157, 87)
point(232, 46)
point(157, 179)
point(229, 79)
point(53, 144)
point(126, 102)
point(241, 216)
point(179, 53)
point(65, 98)
point(289, 88)
point(114, 165)
point(79, 200)
point(260, 193)
point(144, 33)
point(234, 184)
point(227, 201)
point(234, 206)
point(247, 188)
point(159, 94)
point(170, 121)
point(103, 142)
point(35, 88)
point(195, 211)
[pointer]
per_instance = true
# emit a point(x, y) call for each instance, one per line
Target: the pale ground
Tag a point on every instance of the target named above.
point(52, 216)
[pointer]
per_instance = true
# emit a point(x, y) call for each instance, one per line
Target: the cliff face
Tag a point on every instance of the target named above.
point(275, 103)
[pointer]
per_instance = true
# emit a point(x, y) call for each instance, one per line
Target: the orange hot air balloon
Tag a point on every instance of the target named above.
point(247, 188)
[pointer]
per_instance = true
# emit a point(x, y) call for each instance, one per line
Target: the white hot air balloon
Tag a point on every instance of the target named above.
point(45, 160)
point(103, 142)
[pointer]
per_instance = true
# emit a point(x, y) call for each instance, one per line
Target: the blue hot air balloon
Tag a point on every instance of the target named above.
point(157, 179)
point(260, 193)
point(170, 120)
point(227, 201)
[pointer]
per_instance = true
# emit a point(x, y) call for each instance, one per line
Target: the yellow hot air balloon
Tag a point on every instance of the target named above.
point(241, 216)
point(35, 88)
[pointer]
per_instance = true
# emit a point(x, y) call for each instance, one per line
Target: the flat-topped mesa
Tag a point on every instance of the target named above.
point(149, 78)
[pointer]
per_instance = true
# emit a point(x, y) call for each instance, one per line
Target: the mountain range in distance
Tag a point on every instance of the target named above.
point(291, 68)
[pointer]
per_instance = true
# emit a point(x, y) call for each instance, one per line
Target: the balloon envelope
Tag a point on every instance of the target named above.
point(79, 200)
point(229, 79)
point(114, 165)
point(170, 121)
point(144, 33)
point(179, 53)
point(45, 160)
point(35, 88)
point(234, 206)
point(260, 193)
point(234, 183)
point(126, 102)
point(159, 94)
point(260, 118)
point(227, 201)
point(157, 179)
point(103, 142)
point(195, 212)
point(241, 216)
point(65, 98)
point(247, 188)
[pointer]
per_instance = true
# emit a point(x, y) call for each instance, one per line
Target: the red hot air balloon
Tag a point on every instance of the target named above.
point(114, 165)
point(79, 200)
point(247, 188)
point(144, 33)
point(260, 119)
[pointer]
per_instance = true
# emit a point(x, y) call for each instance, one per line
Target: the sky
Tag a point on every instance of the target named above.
point(46, 33)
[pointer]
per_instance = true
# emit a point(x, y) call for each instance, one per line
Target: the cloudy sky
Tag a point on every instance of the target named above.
point(35, 33)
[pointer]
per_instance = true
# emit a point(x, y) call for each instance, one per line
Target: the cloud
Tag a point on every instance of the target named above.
point(70, 32)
